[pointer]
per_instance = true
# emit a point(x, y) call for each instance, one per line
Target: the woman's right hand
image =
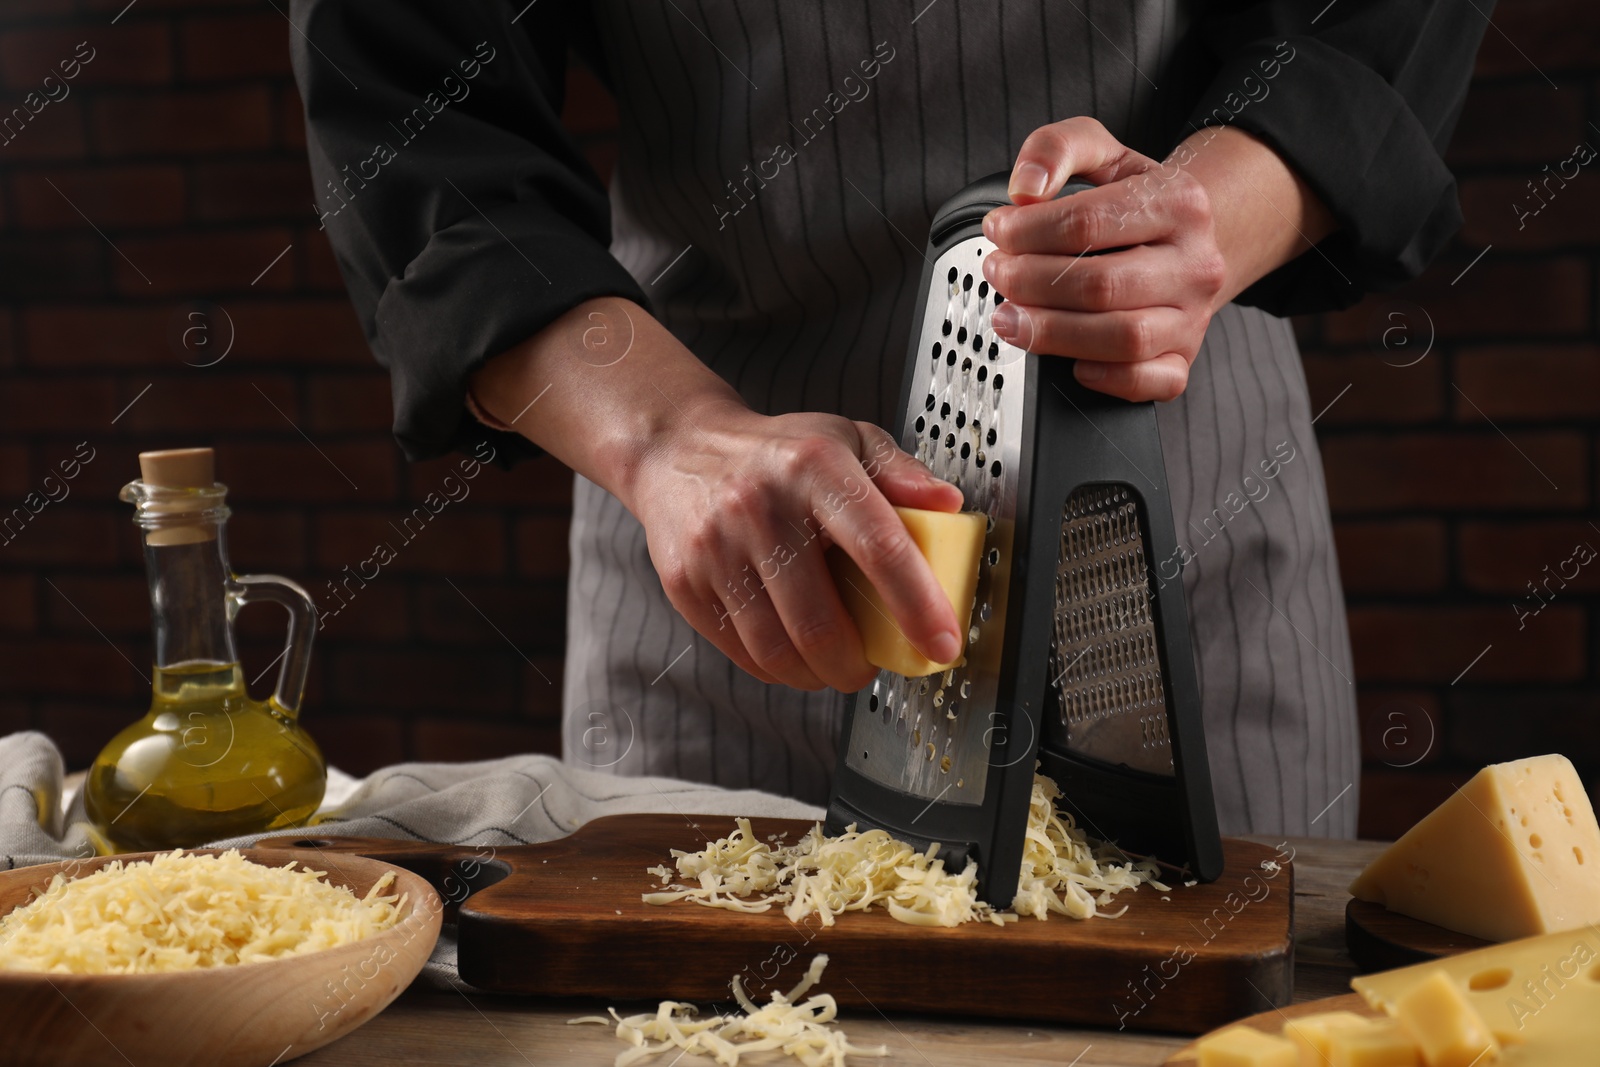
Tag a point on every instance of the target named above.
point(738, 508)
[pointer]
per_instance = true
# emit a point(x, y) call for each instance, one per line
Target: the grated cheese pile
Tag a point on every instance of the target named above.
point(787, 1024)
point(179, 912)
point(1062, 872)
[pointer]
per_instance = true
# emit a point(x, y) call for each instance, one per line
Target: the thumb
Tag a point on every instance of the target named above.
point(1053, 154)
point(901, 478)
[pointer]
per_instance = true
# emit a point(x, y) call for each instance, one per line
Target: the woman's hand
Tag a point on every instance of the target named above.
point(738, 508)
point(1174, 242)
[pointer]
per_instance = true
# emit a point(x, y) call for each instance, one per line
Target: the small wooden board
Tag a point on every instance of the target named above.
point(565, 918)
point(1271, 1022)
point(1381, 940)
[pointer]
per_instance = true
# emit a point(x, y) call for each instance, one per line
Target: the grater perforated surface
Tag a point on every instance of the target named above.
point(965, 422)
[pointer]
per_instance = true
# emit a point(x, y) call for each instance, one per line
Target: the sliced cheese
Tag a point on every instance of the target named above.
point(1540, 997)
point(952, 543)
point(1310, 1033)
point(1244, 1046)
point(1447, 1029)
point(1514, 852)
point(1380, 1043)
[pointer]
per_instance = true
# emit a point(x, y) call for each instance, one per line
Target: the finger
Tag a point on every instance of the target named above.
point(870, 532)
point(818, 626)
point(1147, 276)
point(1113, 336)
point(767, 641)
point(1162, 378)
point(1052, 154)
point(713, 620)
point(902, 478)
point(1093, 220)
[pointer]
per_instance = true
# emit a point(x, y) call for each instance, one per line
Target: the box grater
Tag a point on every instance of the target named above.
point(1078, 655)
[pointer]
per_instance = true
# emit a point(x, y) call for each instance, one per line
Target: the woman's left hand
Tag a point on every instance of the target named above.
point(1133, 317)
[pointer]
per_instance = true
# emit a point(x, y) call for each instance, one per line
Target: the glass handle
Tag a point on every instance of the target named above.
point(296, 655)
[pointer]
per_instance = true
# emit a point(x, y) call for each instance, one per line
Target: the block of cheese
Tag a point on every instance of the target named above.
point(1447, 1029)
point(952, 543)
point(1244, 1046)
point(1540, 996)
point(1380, 1043)
point(1513, 853)
point(1310, 1032)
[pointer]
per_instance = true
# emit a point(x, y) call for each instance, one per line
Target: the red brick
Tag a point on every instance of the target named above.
point(542, 547)
point(541, 693)
point(452, 740)
point(10, 332)
point(1401, 728)
point(530, 616)
point(80, 731)
point(1455, 471)
point(1379, 392)
point(263, 540)
point(258, 189)
point(205, 401)
point(482, 683)
point(301, 331)
point(450, 543)
point(1498, 295)
point(291, 119)
point(129, 53)
point(146, 6)
point(1436, 644)
point(1505, 212)
point(15, 716)
point(97, 335)
point(18, 612)
point(233, 47)
point(75, 667)
point(117, 605)
point(1494, 725)
point(1386, 557)
point(200, 264)
point(1541, 37)
point(320, 269)
point(542, 482)
point(1495, 127)
point(1537, 383)
point(61, 533)
point(56, 132)
point(55, 266)
point(51, 404)
point(111, 464)
point(350, 612)
point(110, 196)
point(1500, 557)
point(293, 471)
point(349, 403)
point(1393, 801)
point(357, 744)
point(16, 477)
point(183, 123)
point(589, 107)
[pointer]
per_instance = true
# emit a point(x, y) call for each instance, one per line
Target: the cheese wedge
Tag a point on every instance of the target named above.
point(1244, 1046)
point(952, 543)
point(1380, 1043)
point(1539, 997)
point(1513, 853)
point(1310, 1033)
point(1447, 1029)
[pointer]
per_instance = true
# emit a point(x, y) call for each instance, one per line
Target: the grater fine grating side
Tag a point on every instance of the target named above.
point(1078, 655)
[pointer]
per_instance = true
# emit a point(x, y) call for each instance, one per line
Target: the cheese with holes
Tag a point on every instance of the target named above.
point(1310, 1032)
point(1242, 1046)
point(952, 543)
point(1448, 1030)
point(1540, 997)
point(1380, 1043)
point(1513, 853)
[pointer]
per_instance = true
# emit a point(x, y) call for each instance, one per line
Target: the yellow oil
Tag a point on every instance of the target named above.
point(206, 762)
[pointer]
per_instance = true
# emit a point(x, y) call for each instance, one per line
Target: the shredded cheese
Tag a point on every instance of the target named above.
point(785, 1024)
point(179, 912)
point(1062, 872)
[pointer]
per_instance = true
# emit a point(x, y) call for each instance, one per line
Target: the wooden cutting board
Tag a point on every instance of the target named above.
point(565, 918)
point(1271, 1022)
point(1380, 939)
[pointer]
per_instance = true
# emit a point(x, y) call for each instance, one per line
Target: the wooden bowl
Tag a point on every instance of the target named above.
point(248, 1015)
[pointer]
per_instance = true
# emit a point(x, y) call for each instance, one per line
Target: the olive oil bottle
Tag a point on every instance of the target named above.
point(207, 761)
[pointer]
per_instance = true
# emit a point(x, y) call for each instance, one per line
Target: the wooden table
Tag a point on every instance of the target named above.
point(429, 1027)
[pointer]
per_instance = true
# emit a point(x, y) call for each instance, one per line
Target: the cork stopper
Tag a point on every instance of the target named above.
point(179, 468)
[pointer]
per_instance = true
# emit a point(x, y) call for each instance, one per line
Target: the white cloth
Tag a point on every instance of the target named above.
point(517, 800)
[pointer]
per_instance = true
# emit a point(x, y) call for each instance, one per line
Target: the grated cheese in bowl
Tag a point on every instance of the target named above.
point(786, 1024)
point(1063, 872)
point(179, 912)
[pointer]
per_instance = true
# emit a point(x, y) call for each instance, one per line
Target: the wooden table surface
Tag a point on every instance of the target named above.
point(429, 1027)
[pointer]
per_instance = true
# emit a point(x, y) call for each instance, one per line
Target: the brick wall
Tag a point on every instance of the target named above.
point(1457, 475)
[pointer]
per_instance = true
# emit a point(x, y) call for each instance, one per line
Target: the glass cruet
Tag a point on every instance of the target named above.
point(207, 761)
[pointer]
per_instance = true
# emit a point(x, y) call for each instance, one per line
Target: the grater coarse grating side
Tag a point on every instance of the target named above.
point(1078, 656)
